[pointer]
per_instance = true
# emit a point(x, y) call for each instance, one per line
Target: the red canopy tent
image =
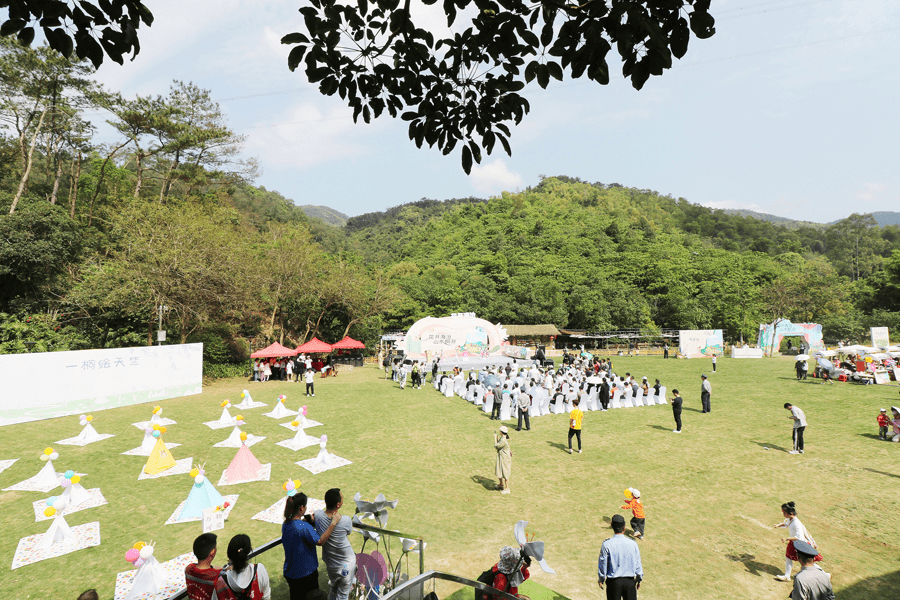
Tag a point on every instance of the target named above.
point(312, 346)
point(273, 351)
point(348, 343)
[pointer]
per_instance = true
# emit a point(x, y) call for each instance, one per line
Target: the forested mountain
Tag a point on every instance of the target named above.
point(325, 214)
point(783, 221)
point(98, 242)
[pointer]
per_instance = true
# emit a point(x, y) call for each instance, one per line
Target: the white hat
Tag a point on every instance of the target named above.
point(883, 410)
point(503, 429)
point(635, 492)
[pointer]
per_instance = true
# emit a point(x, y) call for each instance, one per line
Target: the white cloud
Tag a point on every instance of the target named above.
point(871, 192)
point(732, 204)
point(306, 135)
point(494, 177)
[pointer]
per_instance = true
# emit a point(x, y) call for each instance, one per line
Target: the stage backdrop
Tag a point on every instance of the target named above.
point(771, 339)
point(880, 337)
point(697, 343)
point(53, 384)
point(459, 336)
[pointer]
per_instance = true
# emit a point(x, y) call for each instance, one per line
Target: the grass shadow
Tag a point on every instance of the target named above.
point(486, 482)
point(871, 436)
point(558, 445)
point(696, 410)
point(754, 567)
point(882, 472)
point(771, 446)
point(660, 427)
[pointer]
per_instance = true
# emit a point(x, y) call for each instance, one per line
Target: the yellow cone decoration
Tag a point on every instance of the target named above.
point(160, 459)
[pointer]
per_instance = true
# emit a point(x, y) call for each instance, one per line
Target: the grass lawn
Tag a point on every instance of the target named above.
point(712, 494)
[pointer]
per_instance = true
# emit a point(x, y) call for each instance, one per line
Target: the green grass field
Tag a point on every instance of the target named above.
point(712, 494)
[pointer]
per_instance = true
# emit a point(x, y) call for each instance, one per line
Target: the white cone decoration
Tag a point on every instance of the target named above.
point(88, 434)
point(46, 477)
point(235, 436)
point(300, 436)
point(156, 418)
point(149, 579)
point(148, 442)
point(59, 532)
point(226, 418)
point(76, 495)
point(280, 411)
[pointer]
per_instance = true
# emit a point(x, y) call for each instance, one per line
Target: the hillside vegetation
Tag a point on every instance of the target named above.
point(102, 242)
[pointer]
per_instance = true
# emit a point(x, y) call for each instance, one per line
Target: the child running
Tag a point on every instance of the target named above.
point(633, 502)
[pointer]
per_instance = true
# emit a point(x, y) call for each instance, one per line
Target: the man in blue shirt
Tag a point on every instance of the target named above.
point(619, 566)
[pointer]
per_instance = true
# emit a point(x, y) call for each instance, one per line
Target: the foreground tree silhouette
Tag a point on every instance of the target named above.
point(465, 89)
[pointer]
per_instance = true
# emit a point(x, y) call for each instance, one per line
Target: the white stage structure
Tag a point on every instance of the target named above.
point(54, 384)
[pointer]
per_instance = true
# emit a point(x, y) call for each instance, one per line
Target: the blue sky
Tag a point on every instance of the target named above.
point(790, 109)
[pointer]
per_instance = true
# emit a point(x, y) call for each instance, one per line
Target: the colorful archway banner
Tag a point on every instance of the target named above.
point(458, 336)
point(697, 343)
point(770, 338)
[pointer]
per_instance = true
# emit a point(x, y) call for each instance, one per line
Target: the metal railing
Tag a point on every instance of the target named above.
point(420, 545)
point(415, 588)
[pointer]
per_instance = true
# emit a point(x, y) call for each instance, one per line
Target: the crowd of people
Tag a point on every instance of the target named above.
point(290, 368)
point(301, 533)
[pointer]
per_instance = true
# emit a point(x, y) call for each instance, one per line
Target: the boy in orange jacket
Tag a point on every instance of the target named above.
point(637, 510)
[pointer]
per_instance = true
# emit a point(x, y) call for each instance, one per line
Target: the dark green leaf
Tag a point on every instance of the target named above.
point(26, 36)
point(12, 26)
point(467, 160)
point(543, 76)
point(555, 70)
point(295, 57)
point(295, 38)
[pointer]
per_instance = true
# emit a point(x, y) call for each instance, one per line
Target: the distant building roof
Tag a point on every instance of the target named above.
point(530, 330)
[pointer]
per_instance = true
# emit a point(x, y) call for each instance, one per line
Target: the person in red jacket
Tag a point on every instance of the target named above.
point(506, 577)
point(883, 424)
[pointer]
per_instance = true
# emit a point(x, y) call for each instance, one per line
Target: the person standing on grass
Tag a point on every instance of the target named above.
point(810, 583)
point(677, 401)
point(503, 466)
point(796, 531)
point(524, 404)
point(705, 393)
point(310, 378)
point(883, 424)
point(714, 362)
point(637, 511)
point(575, 418)
point(799, 420)
point(619, 566)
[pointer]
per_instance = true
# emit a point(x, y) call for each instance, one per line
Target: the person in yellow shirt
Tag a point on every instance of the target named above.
point(575, 418)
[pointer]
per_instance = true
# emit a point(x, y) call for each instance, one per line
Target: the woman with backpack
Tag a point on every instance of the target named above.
point(243, 581)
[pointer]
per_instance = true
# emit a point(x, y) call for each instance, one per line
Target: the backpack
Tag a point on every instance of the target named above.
point(250, 592)
point(487, 578)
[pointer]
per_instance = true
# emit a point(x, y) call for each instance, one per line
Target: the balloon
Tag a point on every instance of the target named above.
point(61, 503)
point(146, 552)
point(82, 417)
point(323, 439)
point(289, 485)
point(162, 429)
point(628, 493)
point(132, 555)
point(89, 418)
point(297, 484)
point(155, 434)
point(155, 427)
point(75, 479)
point(243, 394)
point(239, 418)
point(243, 437)
point(48, 451)
point(65, 482)
point(295, 423)
point(54, 456)
point(868, 359)
point(51, 500)
point(148, 429)
point(194, 472)
point(44, 457)
point(69, 474)
point(292, 493)
point(82, 422)
point(139, 545)
point(304, 411)
point(49, 511)
point(139, 562)
point(198, 479)
point(284, 486)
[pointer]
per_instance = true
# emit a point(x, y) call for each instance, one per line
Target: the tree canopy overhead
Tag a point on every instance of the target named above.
point(465, 89)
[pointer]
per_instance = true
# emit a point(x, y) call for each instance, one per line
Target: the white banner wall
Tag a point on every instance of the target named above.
point(54, 384)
